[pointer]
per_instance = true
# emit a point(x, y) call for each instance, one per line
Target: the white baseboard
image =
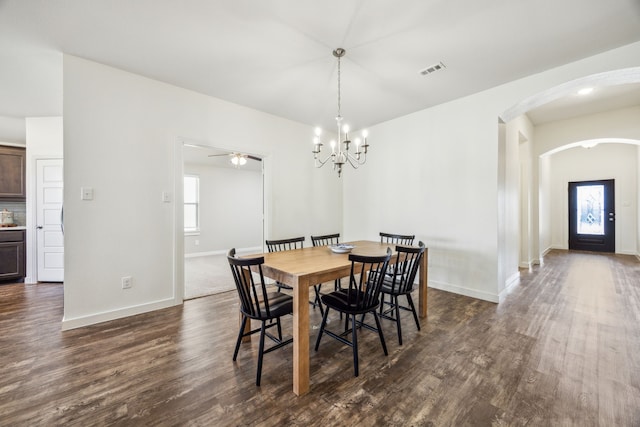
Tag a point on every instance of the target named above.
point(255, 249)
point(106, 316)
point(526, 265)
point(473, 293)
point(632, 253)
point(510, 283)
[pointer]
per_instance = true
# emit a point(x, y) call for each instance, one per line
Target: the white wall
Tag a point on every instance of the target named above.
point(12, 130)
point(622, 123)
point(544, 204)
point(230, 210)
point(447, 158)
point(605, 161)
point(519, 177)
point(44, 136)
point(121, 131)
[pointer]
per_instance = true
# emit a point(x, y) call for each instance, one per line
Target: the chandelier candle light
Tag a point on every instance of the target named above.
point(340, 151)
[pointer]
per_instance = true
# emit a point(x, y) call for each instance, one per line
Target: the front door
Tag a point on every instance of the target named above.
point(50, 233)
point(592, 225)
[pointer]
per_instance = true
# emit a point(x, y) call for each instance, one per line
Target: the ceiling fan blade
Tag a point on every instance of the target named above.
point(254, 158)
point(218, 155)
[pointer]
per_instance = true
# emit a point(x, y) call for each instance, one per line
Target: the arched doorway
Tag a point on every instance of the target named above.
point(530, 138)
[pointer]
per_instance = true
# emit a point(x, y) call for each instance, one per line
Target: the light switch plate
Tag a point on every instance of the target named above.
point(166, 197)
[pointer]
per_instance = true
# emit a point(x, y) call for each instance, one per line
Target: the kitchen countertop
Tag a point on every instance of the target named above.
point(19, 227)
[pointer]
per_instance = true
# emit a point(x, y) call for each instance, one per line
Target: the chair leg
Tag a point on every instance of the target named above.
point(394, 300)
point(413, 309)
point(384, 345)
point(279, 326)
point(381, 302)
point(260, 353)
point(244, 323)
point(317, 301)
point(322, 325)
point(354, 341)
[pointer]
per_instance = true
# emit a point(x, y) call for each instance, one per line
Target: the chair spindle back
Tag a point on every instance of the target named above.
point(326, 240)
point(365, 281)
point(397, 239)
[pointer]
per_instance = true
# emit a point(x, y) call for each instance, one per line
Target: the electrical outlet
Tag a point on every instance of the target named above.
point(126, 282)
point(86, 193)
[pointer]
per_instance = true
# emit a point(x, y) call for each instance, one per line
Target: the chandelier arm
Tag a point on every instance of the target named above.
point(351, 160)
point(361, 158)
point(320, 163)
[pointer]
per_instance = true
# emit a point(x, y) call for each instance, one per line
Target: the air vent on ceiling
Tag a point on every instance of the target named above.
point(432, 69)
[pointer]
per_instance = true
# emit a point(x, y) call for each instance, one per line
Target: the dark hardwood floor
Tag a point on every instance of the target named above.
point(563, 349)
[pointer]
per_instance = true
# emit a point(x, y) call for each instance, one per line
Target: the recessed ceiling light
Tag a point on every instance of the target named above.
point(585, 91)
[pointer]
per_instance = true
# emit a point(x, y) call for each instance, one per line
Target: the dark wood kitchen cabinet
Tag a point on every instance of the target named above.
point(12, 255)
point(12, 173)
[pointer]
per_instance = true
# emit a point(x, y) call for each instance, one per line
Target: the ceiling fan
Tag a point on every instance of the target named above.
point(238, 159)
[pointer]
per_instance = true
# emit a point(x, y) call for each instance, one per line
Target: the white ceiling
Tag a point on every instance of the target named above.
point(275, 55)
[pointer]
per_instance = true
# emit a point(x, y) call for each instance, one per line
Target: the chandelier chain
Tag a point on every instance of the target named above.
point(339, 99)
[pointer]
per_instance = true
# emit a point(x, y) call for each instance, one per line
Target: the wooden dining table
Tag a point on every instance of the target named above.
point(303, 268)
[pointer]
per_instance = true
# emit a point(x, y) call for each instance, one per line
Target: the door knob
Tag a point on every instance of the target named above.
point(39, 227)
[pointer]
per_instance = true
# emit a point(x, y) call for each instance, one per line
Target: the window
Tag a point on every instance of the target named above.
point(191, 200)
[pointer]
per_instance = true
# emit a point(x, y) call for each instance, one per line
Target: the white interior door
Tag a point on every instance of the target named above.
point(49, 220)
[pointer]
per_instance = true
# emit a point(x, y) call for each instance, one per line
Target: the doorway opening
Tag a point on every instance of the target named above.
point(223, 210)
point(592, 216)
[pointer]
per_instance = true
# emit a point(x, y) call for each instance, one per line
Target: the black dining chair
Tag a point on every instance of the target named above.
point(394, 239)
point(284, 245)
point(327, 240)
point(397, 239)
point(288, 245)
point(399, 281)
point(361, 297)
point(258, 304)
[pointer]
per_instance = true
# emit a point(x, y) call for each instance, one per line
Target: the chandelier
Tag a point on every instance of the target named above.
point(340, 151)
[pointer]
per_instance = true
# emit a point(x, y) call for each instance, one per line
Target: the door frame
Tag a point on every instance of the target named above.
point(607, 244)
point(31, 203)
point(178, 216)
